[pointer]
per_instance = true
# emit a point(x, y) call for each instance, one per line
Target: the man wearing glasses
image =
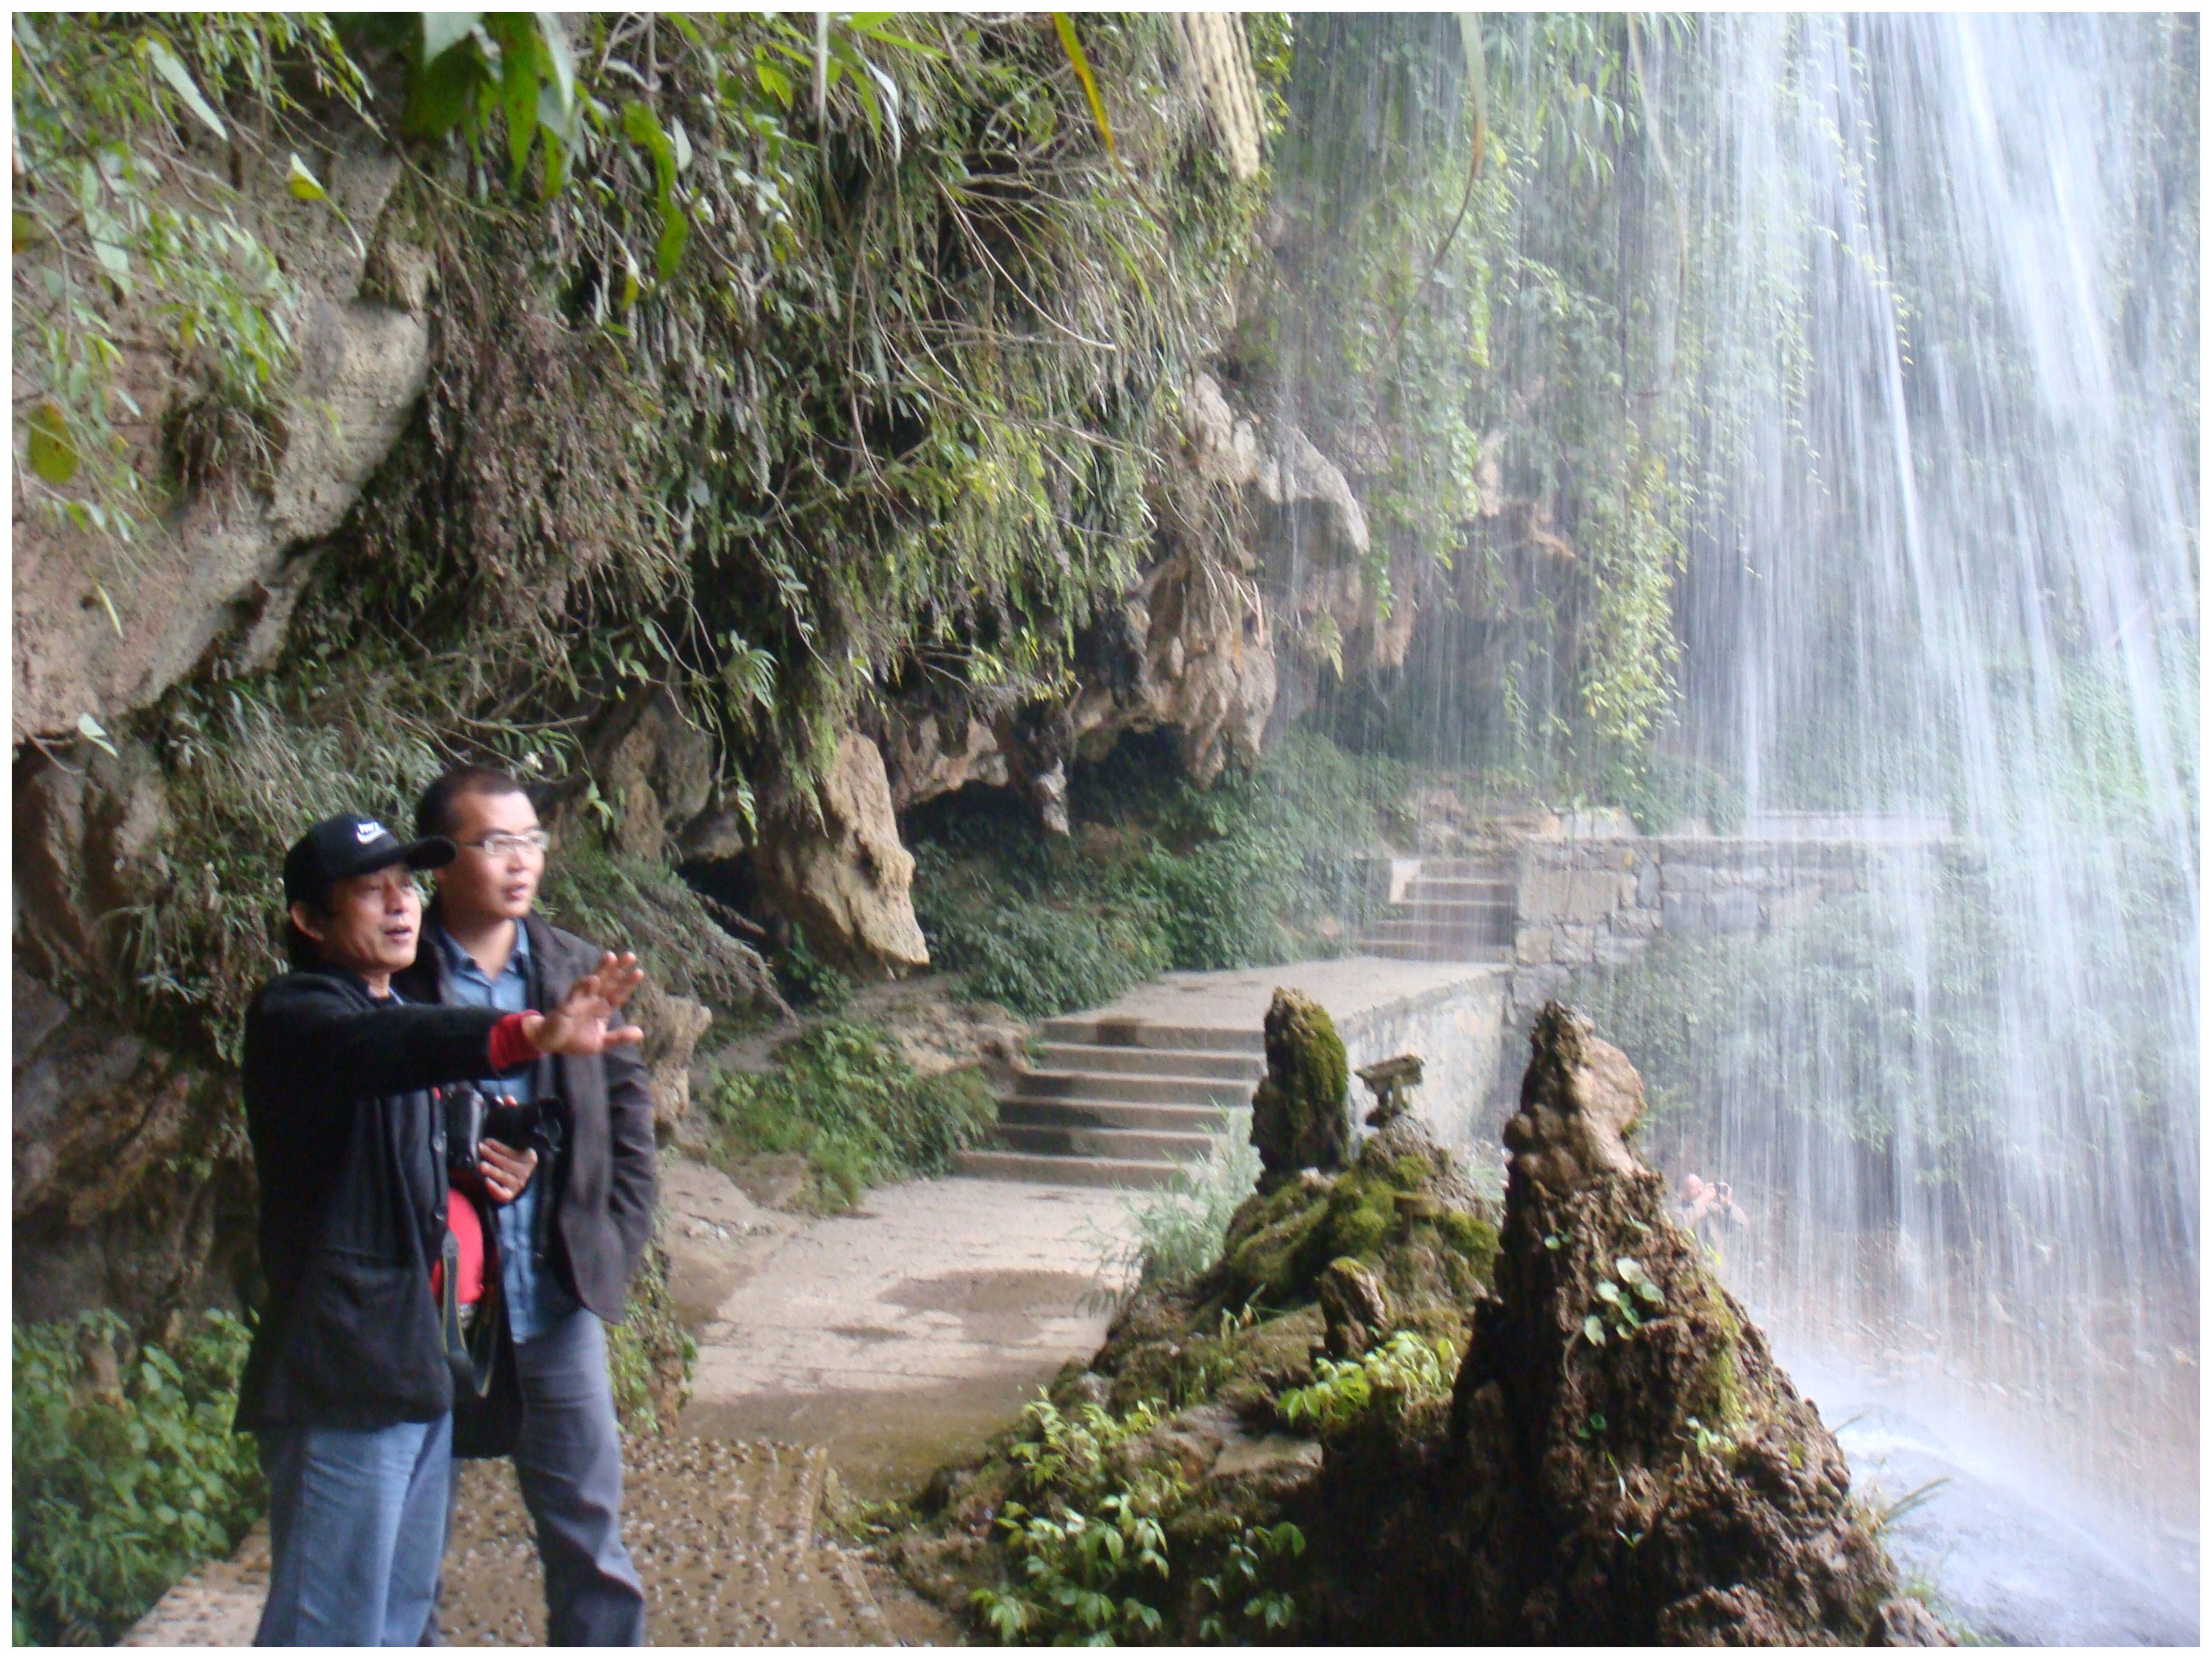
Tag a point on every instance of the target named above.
point(568, 1246)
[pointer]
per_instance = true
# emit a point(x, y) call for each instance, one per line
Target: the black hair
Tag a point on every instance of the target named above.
point(434, 813)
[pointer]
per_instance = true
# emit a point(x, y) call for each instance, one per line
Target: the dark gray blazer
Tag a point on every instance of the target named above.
point(603, 1204)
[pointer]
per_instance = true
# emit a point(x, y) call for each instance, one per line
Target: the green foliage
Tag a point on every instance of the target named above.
point(870, 380)
point(1463, 327)
point(1158, 873)
point(1618, 1312)
point(1667, 789)
point(127, 235)
point(122, 1484)
point(1175, 1230)
point(1089, 1544)
point(844, 1097)
point(1241, 1602)
point(1407, 1369)
point(1073, 1565)
point(650, 1354)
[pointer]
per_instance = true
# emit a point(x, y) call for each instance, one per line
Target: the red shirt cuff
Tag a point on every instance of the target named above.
point(510, 1050)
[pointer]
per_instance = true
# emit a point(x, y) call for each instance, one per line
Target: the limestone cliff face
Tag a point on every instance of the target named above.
point(104, 632)
point(840, 871)
point(1261, 577)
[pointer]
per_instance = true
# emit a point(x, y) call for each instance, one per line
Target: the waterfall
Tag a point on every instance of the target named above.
point(1869, 347)
point(1945, 568)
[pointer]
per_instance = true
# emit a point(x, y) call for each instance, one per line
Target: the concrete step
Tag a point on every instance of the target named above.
point(995, 1165)
point(1114, 1115)
point(1500, 891)
point(1152, 1062)
point(1455, 933)
point(1134, 1085)
point(1466, 870)
point(1419, 907)
point(1143, 1034)
point(1401, 950)
point(1126, 1145)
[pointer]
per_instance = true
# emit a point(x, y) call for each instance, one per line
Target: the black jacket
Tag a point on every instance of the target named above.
point(348, 1151)
point(604, 1174)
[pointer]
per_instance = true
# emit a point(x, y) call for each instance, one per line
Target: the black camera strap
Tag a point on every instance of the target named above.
point(472, 1354)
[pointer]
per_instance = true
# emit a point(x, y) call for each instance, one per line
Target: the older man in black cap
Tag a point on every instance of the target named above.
point(349, 1385)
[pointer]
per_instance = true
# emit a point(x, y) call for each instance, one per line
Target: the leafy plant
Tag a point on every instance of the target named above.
point(1176, 1231)
point(127, 233)
point(1078, 1569)
point(1259, 868)
point(1407, 1369)
point(1242, 1603)
point(126, 1473)
point(843, 1096)
point(1087, 1544)
point(1617, 1308)
point(650, 1354)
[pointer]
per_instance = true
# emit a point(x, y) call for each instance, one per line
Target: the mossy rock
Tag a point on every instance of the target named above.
point(1299, 1117)
point(1401, 1209)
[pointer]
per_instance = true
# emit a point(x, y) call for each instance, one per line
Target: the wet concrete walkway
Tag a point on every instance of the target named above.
point(861, 1349)
point(910, 1329)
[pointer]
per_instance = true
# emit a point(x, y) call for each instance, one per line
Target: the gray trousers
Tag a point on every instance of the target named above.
point(569, 1461)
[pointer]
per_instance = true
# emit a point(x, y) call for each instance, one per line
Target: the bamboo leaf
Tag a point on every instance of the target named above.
point(52, 450)
point(170, 68)
point(1073, 47)
point(303, 184)
point(444, 30)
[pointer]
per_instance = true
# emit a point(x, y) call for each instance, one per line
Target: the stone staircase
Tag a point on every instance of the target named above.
point(1119, 1103)
point(1452, 910)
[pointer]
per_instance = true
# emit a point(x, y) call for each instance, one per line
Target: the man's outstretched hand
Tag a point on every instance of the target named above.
point(584, 1023)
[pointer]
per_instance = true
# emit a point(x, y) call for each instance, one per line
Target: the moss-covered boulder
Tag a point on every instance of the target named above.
point(1381, 1417)
point(1299, 1117)
point(1622, 1462)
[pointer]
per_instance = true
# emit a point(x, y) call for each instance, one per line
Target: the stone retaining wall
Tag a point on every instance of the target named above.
point(1459, 1032)
point(1593, 903)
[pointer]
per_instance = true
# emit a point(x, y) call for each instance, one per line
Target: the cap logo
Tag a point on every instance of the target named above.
point(368, 831)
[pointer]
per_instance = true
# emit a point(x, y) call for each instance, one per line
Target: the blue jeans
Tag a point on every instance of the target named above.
point(567, 1461)
point(357, 1526)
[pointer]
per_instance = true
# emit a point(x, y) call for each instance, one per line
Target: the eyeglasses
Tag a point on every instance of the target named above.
point(507, 846)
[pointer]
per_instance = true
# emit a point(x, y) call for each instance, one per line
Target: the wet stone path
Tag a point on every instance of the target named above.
point(857, 1350)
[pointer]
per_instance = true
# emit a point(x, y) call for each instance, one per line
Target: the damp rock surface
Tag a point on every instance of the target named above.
point(1389, 1414)
point(1298, 1114)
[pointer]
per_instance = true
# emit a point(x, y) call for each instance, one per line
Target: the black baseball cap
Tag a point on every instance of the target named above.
point(351, 845)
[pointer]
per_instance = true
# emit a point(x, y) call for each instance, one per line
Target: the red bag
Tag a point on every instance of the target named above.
point(467, 1229)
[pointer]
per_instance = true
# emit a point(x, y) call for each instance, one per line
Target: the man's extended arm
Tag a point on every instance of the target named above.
point(306, 1025)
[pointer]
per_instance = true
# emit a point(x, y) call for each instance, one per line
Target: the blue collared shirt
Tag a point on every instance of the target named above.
point(535, 1300)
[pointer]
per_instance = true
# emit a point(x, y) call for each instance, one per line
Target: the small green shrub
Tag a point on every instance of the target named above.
point(1088, 1544)
point(1176, 1231)
point(1260, 867)
point(1661, 790)
point(1244, 1607)
point(122, 1486)
point(650, 1354)
point(846, 1099)
point(1407, 1369)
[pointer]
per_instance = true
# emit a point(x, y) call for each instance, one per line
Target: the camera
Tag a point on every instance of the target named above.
point(472, 1117)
